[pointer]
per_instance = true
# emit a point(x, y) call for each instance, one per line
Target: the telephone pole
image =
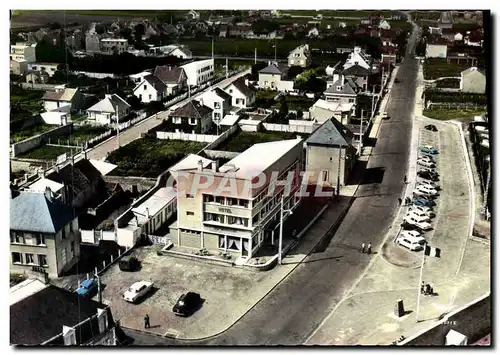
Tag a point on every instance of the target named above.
point(255, 59)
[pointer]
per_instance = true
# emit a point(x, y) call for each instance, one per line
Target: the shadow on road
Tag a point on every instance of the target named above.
point(370, 142)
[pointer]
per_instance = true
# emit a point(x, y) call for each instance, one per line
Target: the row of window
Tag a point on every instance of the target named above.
point(27, 238)
point(226, 201)
point(29, 259)
point(189, 231)
point(205, 69)
point(230, 220)
point(265, 192)
point(178, 120)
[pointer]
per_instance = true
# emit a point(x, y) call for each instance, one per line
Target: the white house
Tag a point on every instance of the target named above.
point(300, 56)
point(323, 110)
point(137, 78)
point(109, 110)
point(150, 89)
point(62, 96)
point(174, 78)
point(242, 94)
point(192, 15)
point(111, 45)
point(458, 37)
point(199, 72)
point(192, 117)
point(473, 80)
point(218, 100)
point(436, 50)
point(274, 77)
point(359, 57)
point(49, 68)
point(384, 25)
point(174, 50)
point(25, 52)
point(313, 32)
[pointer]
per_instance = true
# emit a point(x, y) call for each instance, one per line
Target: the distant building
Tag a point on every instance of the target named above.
point(358, 57)
point(109, 110)
point(49, 68)
point(300, 56)
point(473, 80)
point(22, 51)
point(37, 77)
point(193, 115)
point(92, 43)
point(63, 97)
point(436, 50)
point(199, 72)
point(18, 67)
point(150, 89)
point(274, 77)
point(174, 50)
point(113, 45)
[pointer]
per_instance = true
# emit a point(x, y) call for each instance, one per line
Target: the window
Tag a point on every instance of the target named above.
point(150, 96)
point(351, 100)
point(192, 121)
point(29, 258)
point(221, 200)
point(16, 237)
point(208, 198)
point(17, 258)
point(324, 175)
point(72, 247)
point(189, 213)
point(216, 115)
point(145, 87)
point(216, 104)
point(231, 90)
point(222, 242)
point(42, 260)
point(40, 239)
point(189, 196)
point(233, 243)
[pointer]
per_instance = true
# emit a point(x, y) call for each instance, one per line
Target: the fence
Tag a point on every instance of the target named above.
point(289, 128)
point(36, 141)
point(28, 86)
point(95, 75)
point(455, 105)
point(204, 138)
point(132, 122)
point(155, 239)
point(99, 138)
point(222, 137)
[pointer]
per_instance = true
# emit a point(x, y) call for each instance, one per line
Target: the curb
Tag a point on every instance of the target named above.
point(333, 227)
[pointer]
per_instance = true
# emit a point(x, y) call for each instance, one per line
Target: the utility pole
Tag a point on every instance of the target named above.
point(275, 50)
point(280, 243)
point(255, 59)
point(118, 132)
point(420, 282)
point(212, 47)
point(373, 103)
point(361, 136)
point(227, 68)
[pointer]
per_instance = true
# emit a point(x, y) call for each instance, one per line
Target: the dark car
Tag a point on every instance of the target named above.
point(129, 263)
point(431, 127)
point(428, 175)
point(410, 227)
point(187, 304)
point(397, 81)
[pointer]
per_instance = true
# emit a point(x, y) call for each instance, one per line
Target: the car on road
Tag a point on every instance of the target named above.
point(412, 243)
point(430, 184)
point(385, 116)
point(429, 149)
point(420, 216)
point(423, 209)
point(428, 158)
point(425, 201)
point(426, 190)
point(420, 222)
point(426, 163)
point(431, 127)
point(137, 290)
point(428, 175)
point(187, 304)
point(87, 288)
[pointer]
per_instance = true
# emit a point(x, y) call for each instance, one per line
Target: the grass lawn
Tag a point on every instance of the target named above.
point(81, 134)
point(149, 157)
point(295, 103)
point(78, 117)
point(465, 115)
point(120, 13)
point(337, 13)
point(437, 68)
point(427, 15)
point(241, 141)
point(30, 132)
point(266, 94)
point(47, 152)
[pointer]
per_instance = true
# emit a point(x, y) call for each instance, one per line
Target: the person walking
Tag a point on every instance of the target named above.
point(405, 180)
point(146, 322)
point(400, 200)
point(369, 251)
point(363, 248)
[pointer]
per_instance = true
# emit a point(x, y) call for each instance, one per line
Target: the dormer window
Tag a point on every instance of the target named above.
point(339, 88)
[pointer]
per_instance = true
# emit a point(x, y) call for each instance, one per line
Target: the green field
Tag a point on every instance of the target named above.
point(241, 141)
point(444, 114)
point(437, 68)
point(338, 13)
point(30, 132)
point(149, 157)
point(120, 13)
point(81, 134)
point(47, 152)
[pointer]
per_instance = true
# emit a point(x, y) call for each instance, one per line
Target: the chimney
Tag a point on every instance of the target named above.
point(69, 335)
point(147, 212)
point(200, 165)
point(107, 96)
point(48, 194)
point(215, 166)
point(201, 101)
point(343, 80)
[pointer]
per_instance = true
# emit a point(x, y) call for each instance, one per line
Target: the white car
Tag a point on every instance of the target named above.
point(407, 243)
point(137, 291)
point(429, 184)
point(427, 158)
point(423, 217)
point(426, 163)
point(420, 222)
point(423, 209)
point(426, 190)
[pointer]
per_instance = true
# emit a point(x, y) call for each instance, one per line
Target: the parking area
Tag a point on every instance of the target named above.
point(227, 293)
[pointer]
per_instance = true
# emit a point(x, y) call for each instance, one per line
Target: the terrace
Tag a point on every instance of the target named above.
point(241, 140)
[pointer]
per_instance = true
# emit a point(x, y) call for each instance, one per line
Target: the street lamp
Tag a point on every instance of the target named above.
point(280, 245)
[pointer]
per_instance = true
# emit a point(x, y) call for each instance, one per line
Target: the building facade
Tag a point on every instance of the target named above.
point(23, 52)
point(49, 68)
point(113, 45)
point(300, 56)
point(243, 95)
point(199, 72)
point(109, 110)
point(473, 80)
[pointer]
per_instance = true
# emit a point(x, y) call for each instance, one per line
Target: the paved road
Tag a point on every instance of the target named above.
point(99, 152)
point(292, 311)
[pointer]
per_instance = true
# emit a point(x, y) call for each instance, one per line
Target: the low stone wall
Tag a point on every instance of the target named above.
point(214, 154)
point(142, 184)
point(36, 141)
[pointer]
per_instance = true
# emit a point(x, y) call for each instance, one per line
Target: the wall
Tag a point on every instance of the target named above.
point(33, 142)
point(289, 128)
point(126, 182)
point(318, 159)
point(49, 251)
point(95, 75)
point(49, 87)
point(285, 86)
point(205, 138)
point(222, 138)
point(214, 154)
point(269, 78)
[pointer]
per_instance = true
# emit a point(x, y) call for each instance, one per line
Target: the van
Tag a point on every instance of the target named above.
point(128, 263)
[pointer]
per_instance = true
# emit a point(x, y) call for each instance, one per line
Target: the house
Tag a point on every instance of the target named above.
point(44, 235)
point(241, 29)
point(448, 34)
point(139, 77)
point(109, 110)
point(313, 32)
point(475, 39)
point(329, 150)
point(243, 95)
point(175, 78)
point(384, 25)
point(473, 80)
point(358, 57)
point(63, 96)
point(113, 45)
point(359, 75)
point(273, 76)
point(44, 314)
point(21, 51)
point(223, 31)
point(342, 90)
point(172, 50)
point(150, 89)
point(237, 221)
point(219, 101)
point(192, 15)
point(300, 56)
point(18, 67)
point(49, 68)
point(458, 37)
point(438, 49)
point(192, 117)
point(92, 43)
point(37, 77)
point(445, 20)
point(199, 72)
point(322, 111)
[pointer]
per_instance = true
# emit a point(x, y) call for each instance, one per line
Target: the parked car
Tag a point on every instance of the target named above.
point(423, 209)
point(428, 158)
point(385, 116)
point(87, 288)
point(431, 127)
point(426, 163)
point(428, 200)
point(426, 190)
point(410, 227)
point(407, 243)
point(187, 304)
point(419, 213)
point(430, 184)
point(421, 216)
point(428, 175)
point(420, 222)
point(428, 149)
point(137, 291)
point(411, 234)
point(129, 263)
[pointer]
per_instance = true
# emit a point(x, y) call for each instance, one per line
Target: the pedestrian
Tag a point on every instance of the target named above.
point(405, 180)
point(369, 251)
point(400, 200)
point(363, 248)
point(146, 322)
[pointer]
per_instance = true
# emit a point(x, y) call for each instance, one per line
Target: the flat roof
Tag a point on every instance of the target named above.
point(333, 106)
point(25, 289)
point(140, 75)
point(41, 184)
point(229, 120)
point(190, 162)
point(156, 202)
point(258, 158)
point(102, 166)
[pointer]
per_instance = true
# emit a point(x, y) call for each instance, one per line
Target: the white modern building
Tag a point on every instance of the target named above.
point(49, 68)
point(199, 72)
point(111, 45)
point(22, 51)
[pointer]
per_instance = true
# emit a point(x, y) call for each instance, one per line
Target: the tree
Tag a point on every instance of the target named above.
point(139, 31)
point(300, 113)
point(283, 108)
point(134, 102)
point(99, 29)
